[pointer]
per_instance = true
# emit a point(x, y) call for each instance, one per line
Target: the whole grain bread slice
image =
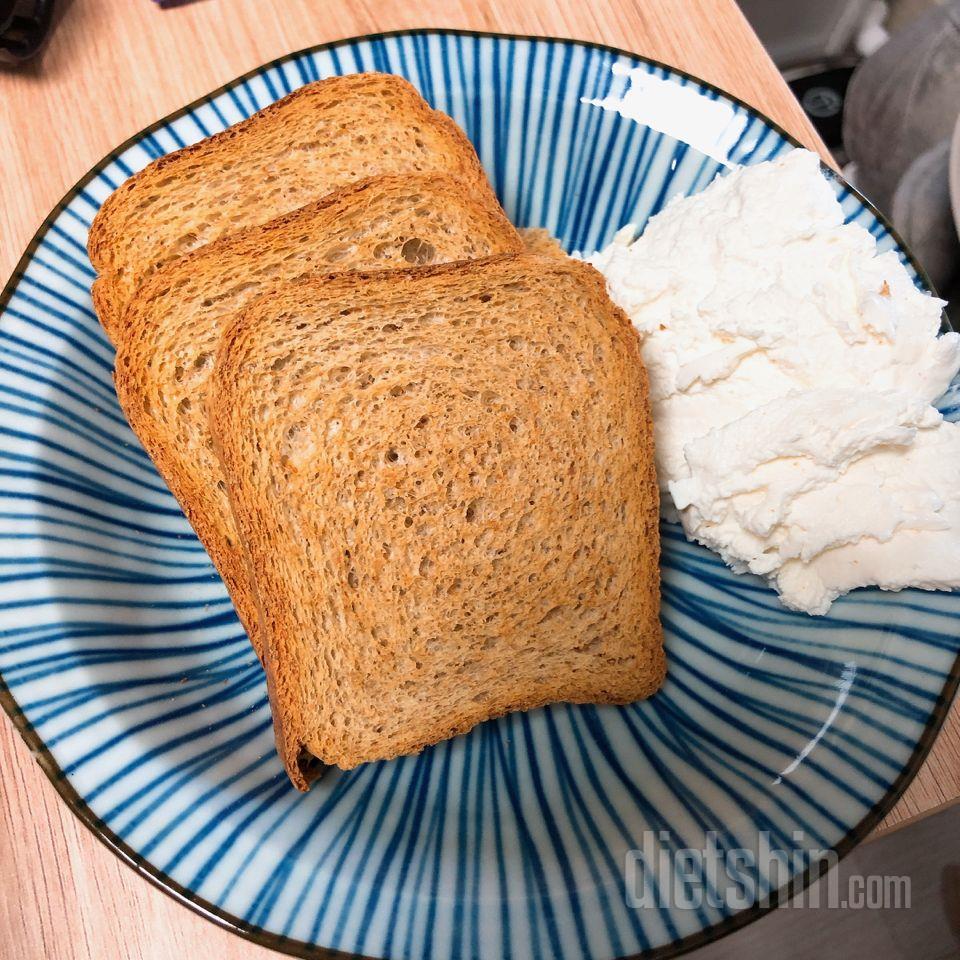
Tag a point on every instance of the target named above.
point(322, 136)
point(167, 342)
point(540, 241)
point(444, 481)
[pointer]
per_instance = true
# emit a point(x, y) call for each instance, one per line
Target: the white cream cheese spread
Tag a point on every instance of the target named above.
point(793, 370)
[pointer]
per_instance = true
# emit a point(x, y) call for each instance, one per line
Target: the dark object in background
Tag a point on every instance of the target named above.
point(811, 31)
point(903, 100)
point(921, 211)
point(821, 89)
point(23, 28)
point(902, 105)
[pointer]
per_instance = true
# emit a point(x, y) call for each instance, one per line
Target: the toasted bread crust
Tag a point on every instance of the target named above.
point(376, 431)
point(170, 331)
point(322, 136)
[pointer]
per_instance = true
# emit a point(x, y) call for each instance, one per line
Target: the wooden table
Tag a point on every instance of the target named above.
point(114, 66)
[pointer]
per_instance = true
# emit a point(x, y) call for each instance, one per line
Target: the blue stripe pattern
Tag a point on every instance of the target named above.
point(122, 650)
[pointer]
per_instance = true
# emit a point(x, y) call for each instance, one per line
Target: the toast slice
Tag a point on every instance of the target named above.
point(323, 136)
point(168, 339)
point(444, 481)
point(540, 241)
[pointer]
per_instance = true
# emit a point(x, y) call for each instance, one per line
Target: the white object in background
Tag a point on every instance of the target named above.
point(872, 34)
point(792, 371)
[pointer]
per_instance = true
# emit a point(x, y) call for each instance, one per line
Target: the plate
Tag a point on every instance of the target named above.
point(129, 676)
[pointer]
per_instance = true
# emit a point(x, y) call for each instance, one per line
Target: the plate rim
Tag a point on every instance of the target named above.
point(309, 951)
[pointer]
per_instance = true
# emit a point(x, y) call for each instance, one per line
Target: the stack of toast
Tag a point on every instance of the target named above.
point(417, 449)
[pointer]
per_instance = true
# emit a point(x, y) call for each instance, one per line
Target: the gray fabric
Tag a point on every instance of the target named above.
point(955, 175)
point(903, 101)
point(921, 212)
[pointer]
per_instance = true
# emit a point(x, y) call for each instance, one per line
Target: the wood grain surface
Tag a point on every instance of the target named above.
point(113, 67)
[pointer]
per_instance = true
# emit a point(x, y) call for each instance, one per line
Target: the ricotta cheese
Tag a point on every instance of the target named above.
point(793, 370)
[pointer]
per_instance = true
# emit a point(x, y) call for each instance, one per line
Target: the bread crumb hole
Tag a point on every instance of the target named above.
point(551, 614)
point(418, 252)
point(339, 252)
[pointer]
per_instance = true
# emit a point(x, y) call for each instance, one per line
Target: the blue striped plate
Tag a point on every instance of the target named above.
point(126, 671)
